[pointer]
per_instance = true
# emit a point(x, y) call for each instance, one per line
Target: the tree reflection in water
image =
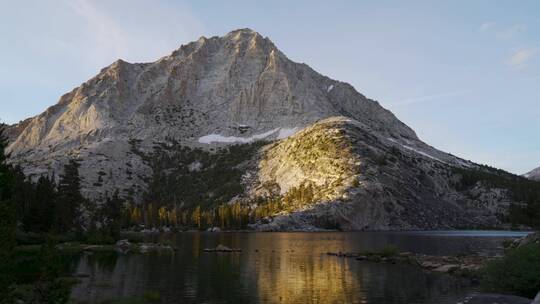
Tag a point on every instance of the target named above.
point(272, 268)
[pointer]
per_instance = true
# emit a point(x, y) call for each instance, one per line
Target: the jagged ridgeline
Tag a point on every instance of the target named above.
point(177, 138)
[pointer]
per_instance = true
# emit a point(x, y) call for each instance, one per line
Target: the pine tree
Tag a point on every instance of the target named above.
point(8, 223)
point(21, 194)
point(49, 288)
point(40, 216)
point(113, 214)
point(69, 199)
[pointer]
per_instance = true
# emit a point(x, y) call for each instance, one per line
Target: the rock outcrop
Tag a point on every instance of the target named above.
point(337, 158)
point(534, 174)
point(214, 91)
point(341, 175)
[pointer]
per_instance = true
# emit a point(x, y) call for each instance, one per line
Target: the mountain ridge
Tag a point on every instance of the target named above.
point(533, 174)
point(242, 73)
point(237, 89)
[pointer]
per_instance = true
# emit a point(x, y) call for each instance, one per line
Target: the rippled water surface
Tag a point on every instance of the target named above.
point(283, 268)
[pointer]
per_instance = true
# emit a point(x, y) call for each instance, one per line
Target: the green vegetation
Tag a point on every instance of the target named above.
point(386, 252)
point(31, 276)
point(190, 188)
point(8, 226)
point(194, 177)
point(50, 287)
point(46, 207)
point(39, 274)
point(526, 192)
point(518, 272)
point(147, 297)
point(193, 188)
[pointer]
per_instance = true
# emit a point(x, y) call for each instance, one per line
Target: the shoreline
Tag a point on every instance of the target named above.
point(466, 266)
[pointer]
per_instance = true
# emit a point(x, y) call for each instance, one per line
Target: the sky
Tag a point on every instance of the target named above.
point(465, 75)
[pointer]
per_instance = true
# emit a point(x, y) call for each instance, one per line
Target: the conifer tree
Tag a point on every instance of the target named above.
point(8, 223)
point(69, 199)
point(113, 214)
point(40, 216)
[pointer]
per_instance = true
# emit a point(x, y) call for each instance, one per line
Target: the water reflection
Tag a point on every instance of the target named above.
point(278, 268)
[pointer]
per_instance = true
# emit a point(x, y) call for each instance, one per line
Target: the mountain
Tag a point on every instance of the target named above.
point(534, 174)
point(231, 118)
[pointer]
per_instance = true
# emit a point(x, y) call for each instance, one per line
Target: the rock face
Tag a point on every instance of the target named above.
point(336, 157)
point(222, 89)
point(534, 174)
point(350, 178)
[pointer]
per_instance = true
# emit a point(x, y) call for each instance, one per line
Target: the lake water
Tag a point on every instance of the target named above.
point(283, 268)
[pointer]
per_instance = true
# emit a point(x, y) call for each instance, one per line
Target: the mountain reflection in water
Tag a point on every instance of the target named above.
point(281, 268)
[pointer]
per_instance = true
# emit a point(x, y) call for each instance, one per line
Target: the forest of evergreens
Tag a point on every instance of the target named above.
point(42, 207)
point(190, 189)
point(524, 191)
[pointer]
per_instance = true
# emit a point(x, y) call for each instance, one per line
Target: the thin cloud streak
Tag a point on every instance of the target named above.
point(107, 35)
point(511, 31)
point(427, 98)
point(486, 26)
point(145, 32)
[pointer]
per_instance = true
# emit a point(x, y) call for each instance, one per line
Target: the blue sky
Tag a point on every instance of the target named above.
point(465, 75)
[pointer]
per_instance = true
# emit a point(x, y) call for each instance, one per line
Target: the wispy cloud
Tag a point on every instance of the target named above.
point(428, 98)
point(511, 31)
point(521, 57)
point(500, 31)
point(107, 34)
point(144, 32)
point(486, 26)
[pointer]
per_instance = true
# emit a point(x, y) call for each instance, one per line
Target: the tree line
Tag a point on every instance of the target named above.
point(47, 206)
point(235, 215)
point(52, 205)
point(524, 191)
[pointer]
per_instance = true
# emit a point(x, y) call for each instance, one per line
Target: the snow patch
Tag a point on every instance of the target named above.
point(330, 87)
point(415, 150)
point(464, 163)
point(218, 138)
point(208, 139)
point(195, 166)
point(422, 153)
point(285, 132)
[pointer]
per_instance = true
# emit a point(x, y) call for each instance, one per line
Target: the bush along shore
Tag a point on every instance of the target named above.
point(515, 273)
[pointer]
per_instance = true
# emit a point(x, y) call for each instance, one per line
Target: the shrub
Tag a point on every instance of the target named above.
point(100, 237)
point(517, 273)
point(386, 252)
point(389, 251)
point(152, 296)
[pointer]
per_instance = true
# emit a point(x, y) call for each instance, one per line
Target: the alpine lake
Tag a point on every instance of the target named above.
point(281, 267)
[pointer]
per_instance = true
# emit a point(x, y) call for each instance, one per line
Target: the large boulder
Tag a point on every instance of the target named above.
point(488, 298)
point(533, 238)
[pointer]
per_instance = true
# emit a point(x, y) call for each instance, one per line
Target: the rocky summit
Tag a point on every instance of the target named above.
point(534, 174)
point(334, 158)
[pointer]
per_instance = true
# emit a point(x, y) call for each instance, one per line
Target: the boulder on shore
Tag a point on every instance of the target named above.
point(537, 299)
point(489, 298)
point(533, 238)
point(222, 248)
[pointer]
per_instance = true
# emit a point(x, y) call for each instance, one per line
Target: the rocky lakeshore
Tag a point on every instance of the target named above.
point(463, 265)
point(466, 266)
